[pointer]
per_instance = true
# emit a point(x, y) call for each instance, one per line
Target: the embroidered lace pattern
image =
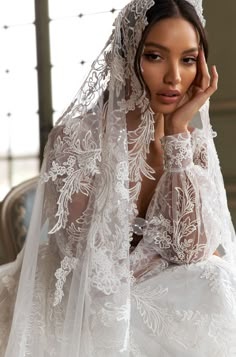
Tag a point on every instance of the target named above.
point(84, 291)
point(197, 4)
point(177, 152)
point(176, 223)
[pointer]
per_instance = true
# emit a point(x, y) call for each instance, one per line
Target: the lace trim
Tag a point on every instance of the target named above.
point(67, 265)
point(197, 4)
point(178, 153)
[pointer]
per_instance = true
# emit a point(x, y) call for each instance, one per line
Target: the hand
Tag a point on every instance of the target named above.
point(202, 88)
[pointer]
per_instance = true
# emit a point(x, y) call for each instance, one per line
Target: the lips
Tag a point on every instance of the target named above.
point(170, 93)
point(169, 97)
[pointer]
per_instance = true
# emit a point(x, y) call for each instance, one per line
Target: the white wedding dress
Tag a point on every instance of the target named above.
point(78, 288)
point(184, 309)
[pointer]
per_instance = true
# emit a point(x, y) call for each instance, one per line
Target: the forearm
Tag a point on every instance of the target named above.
point(183, 222)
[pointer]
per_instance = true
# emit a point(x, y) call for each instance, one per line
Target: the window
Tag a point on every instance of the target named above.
point(78, 31)
point(18, 90)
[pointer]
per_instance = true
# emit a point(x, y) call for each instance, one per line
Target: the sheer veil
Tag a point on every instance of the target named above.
point(74, 290)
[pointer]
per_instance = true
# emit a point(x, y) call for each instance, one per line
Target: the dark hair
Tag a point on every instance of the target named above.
point(163, 9)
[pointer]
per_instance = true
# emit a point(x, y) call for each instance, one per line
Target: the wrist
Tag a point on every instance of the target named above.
point(177, 129)
point(177, 150)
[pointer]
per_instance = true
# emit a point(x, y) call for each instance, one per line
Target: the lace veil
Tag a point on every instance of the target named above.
point(74, 290)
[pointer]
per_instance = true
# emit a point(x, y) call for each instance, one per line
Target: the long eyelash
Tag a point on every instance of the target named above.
point(194, 59)
point(151, 56)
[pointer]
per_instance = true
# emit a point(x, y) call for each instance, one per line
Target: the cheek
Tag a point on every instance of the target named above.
point(189, 76)
point(151, 76)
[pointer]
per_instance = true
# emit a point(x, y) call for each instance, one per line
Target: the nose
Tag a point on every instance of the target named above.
point(172, 75)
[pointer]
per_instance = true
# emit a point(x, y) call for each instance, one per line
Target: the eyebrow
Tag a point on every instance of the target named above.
point(157, 45)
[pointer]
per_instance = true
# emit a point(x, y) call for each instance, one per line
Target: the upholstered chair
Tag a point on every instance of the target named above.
point(16, 209)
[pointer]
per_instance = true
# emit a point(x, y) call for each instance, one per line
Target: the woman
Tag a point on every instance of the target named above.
point(127, 256)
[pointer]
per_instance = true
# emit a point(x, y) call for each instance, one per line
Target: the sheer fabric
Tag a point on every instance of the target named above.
point(78, 288)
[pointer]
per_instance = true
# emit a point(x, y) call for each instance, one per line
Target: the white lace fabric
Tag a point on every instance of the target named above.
point(178, 153)
point(182, 218)
point(83, 291)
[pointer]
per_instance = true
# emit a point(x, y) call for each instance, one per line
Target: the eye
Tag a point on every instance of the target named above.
point(152, 57)
point(190, 60)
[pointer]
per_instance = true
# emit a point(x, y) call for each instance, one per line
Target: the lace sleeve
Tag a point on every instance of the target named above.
point(199, 148)
point(183, 215)
point(71, 165)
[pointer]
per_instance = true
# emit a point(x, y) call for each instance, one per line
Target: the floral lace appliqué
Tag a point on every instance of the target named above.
point(67, 265)
point(177, 151)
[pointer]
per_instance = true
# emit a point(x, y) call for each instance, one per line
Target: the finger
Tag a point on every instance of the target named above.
point(213, 83)
point(202, 96)
point(198, 77)
point(205, 80)
point(202, 79)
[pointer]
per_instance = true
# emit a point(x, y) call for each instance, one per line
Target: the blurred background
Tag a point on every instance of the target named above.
point(47, 47)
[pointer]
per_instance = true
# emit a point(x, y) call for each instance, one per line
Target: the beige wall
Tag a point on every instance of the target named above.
point(221, 28)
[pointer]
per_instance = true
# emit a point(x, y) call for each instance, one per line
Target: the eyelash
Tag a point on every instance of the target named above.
point(152, 57)
point(192, 59)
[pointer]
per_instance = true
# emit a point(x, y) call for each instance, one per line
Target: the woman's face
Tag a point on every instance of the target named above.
point(169, 62)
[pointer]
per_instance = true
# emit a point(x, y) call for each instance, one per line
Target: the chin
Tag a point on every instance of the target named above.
point(164, 109)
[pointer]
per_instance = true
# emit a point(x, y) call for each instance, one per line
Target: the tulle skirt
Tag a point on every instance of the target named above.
point(176, 311)
point(186, 311)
